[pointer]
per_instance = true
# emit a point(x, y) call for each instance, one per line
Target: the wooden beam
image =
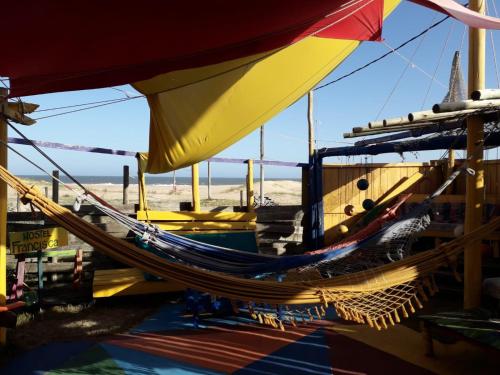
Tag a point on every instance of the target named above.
point(195, 216)
point(128, 281)
point(11, 112)
point(206, 225)
point(475, 151)
point(22, 107)
point(3, 211)
point(466, 105)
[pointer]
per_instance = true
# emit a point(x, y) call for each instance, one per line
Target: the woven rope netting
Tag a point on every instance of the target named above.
point(378, 296)
point(391, 245)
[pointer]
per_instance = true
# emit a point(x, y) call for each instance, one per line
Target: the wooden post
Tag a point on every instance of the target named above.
point(474, 198)
point(55, 186)
point(310, 210)
point(141, 177)
point(126, 183)
point(209, 180)
point(449, 169)
point(174, 183)
point(195, 187)
point(261, 165)
point(39, 256)
point(3, 212)
point(250, 199)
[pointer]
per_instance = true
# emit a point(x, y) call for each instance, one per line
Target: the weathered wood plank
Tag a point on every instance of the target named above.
point(206, 225)
point(196, 216)
point(128, 281)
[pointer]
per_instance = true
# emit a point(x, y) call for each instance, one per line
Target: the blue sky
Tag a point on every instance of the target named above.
point(351, 102)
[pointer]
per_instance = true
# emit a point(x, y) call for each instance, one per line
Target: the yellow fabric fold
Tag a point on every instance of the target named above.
point(197, 113)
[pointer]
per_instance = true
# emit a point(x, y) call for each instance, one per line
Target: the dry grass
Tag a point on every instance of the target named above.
point(77, 322)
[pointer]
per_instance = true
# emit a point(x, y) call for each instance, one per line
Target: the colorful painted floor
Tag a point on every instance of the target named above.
point(167, 343)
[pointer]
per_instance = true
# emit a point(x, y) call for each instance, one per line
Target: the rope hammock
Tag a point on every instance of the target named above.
point(390, 242)
point(378, 296)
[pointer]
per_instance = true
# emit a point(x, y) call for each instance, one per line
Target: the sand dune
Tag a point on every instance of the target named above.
point(164, 197)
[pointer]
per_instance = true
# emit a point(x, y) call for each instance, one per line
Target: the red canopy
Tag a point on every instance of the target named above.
point(59, 45)
point(69, 45)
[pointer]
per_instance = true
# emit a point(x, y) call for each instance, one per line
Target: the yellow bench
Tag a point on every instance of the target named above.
point(128, 281)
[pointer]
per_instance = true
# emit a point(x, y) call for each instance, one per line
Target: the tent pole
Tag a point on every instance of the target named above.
point(3, 212)
point(310, 122)
point(475, 149)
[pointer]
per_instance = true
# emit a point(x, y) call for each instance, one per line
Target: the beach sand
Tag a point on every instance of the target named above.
point(164, 197)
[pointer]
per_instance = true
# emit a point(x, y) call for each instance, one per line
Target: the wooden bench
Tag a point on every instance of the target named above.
point(187, 221)
point(472, 327)
point(17, 289)
point(128, 281)
point(235, 230)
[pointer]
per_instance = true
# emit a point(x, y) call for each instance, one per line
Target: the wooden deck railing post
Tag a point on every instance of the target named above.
point(141, 181)
point(126, 182)
point(55, 186)
point(261, 166)
point(195, 186)
point(250, 192)
point(209, 180)
point(3, 213)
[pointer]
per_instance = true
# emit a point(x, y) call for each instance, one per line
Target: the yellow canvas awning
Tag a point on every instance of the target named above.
point(196, 113)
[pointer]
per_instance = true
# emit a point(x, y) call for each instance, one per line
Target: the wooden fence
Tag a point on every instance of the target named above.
point(340, 190)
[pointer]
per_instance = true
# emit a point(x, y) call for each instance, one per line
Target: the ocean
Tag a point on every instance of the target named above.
point(152, 180)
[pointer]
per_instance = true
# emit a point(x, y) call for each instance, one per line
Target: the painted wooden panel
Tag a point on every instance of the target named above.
point(340, 190)
point(128, 281)
point(206, 225)
point(340, 187)
point(196, 216)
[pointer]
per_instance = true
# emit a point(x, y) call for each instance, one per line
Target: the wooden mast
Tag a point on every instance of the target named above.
point(3, 211)
point(310, 122)
point(475, 150)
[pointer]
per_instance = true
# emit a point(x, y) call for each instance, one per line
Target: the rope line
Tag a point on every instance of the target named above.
point(497, 75)
point(46, 156)
point(452, 27)
point(434, 25)
point(85, 104)
point(91, 107)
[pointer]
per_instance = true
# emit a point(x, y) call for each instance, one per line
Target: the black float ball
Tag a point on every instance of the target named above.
point(368, 204)
point(362, 184)
point(349, 210)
